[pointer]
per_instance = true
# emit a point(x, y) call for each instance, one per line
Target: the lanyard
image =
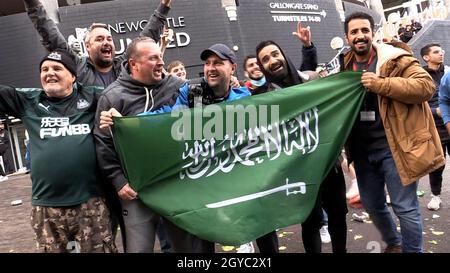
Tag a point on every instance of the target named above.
point(372, 54)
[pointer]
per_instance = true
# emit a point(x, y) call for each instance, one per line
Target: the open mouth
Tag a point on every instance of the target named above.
point(158, 72)
point(50, 81)
point(213, 76)
point(276, 67)
point(360, 42)
point(106, 51)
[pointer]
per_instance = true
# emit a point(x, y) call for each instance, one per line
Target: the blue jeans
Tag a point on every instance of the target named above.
point(374, 169)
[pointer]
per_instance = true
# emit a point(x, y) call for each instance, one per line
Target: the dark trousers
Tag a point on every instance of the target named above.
point(335, 205)
point(268, 243)
point(436, 176)
point(185, 242)
point(162, 237)
point(7, 162)
point(332, 198)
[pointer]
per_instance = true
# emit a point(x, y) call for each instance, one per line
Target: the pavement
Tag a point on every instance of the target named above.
point(17, 236)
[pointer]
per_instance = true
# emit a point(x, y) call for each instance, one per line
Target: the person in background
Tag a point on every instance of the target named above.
point(433, 55)
point(5, 153)
point(177, 68)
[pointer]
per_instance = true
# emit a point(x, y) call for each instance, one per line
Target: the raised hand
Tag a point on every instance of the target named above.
point(166, 2)
point(303, 34)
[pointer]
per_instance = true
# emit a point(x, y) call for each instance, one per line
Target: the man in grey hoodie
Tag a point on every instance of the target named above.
point(101, 67)
point(141, 86)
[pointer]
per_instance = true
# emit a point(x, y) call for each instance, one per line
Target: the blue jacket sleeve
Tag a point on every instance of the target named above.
point(444, 97)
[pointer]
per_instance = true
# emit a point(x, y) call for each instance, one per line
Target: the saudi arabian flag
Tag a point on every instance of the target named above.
point(232, 172)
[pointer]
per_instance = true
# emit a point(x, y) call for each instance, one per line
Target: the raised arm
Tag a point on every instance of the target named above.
point(155, 25)
point(52, 38)
point(309, 51)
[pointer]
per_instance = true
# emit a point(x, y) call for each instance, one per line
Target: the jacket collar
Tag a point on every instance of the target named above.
point(385, 53)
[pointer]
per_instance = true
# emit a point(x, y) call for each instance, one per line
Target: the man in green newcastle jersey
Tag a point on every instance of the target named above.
point(68, 211)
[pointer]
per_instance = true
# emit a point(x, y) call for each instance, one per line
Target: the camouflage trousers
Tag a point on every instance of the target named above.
point(81, 228)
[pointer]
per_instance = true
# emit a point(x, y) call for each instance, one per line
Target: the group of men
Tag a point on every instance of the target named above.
point(394, 141)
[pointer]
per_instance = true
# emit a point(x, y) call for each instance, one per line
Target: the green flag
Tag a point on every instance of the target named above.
point(232, 172)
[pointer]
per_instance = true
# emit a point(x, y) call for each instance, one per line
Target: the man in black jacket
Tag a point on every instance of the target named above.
point(280, 72)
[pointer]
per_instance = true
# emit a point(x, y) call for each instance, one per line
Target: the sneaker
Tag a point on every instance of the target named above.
point(393, 249)
point(361, 218)
point(3, 178)
point(435, 202)
point(324, 235)
point(353, 191)
point(246, 248)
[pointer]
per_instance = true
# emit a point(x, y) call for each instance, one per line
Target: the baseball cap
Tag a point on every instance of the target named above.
point(221, 50)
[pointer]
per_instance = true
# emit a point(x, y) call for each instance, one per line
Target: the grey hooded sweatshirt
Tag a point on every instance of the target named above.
point(130, 98)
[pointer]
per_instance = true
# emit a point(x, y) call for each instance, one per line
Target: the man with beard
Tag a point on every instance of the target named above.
point(433, 55)
point(68, 209)
point(219, 66)
point(394, 141)
point(280, 72)
point(257, 83)
point(101, 67)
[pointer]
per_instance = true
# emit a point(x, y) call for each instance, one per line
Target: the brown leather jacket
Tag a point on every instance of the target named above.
point(403, 89)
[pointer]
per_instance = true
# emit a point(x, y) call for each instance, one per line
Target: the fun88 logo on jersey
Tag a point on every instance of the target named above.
point(60, 127)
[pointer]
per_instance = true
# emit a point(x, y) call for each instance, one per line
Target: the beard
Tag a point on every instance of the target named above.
point(281, 74)
point(361, 52)
point(102, 62)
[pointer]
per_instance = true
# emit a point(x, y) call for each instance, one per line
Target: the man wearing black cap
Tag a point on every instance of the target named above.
point(101, 68)
point(68, 211)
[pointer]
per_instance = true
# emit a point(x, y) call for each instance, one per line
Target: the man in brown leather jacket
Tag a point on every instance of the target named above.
point(394, 141)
